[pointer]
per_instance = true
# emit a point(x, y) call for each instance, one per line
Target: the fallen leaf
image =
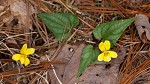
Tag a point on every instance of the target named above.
point(143, 26)
point(64, 56)
point(72, 67)
point(19, 8)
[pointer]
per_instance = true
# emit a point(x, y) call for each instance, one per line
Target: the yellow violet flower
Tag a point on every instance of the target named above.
point(106, 54)
point(23, 57)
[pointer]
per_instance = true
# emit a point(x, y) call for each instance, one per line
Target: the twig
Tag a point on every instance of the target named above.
point(54, 71)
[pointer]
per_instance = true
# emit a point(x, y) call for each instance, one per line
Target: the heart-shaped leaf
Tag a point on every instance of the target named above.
point(89, 55)
point(60, 23)
point(111, 30)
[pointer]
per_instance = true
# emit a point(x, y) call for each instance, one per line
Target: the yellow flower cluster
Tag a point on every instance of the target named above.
point(23, 56)
point(106, 53)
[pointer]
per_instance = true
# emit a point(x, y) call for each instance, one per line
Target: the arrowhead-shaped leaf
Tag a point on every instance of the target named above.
point(111, 30)
point(60, 23)
point(89, 55)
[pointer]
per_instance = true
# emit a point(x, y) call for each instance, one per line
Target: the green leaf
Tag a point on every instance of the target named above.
point(89, 56)
point(60, 24)
point(111, 30)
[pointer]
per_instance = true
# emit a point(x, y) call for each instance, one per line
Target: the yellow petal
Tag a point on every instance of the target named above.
point(104, 45)
point(101, 57)
point(16, 57)
point(112, 54)
point(107, 45)
point(107, 58)
point(22, 60)
point(101, 46)
point(23, 49)
point(26, 62)
point(29, 51)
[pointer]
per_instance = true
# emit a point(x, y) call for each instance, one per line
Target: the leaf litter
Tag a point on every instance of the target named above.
point(13, 22)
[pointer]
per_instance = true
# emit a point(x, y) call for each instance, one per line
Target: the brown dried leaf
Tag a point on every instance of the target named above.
point(143, 26)
point(71, 69)
point(19, 8)
point(64, 56)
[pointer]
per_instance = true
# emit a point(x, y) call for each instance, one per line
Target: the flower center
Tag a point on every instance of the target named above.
point(24, 56)
point(106, 53)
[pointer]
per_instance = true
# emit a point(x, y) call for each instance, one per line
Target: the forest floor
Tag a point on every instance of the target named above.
point(57, 63)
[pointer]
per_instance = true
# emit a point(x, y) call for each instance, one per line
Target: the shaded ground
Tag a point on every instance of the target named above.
point(19, 24)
